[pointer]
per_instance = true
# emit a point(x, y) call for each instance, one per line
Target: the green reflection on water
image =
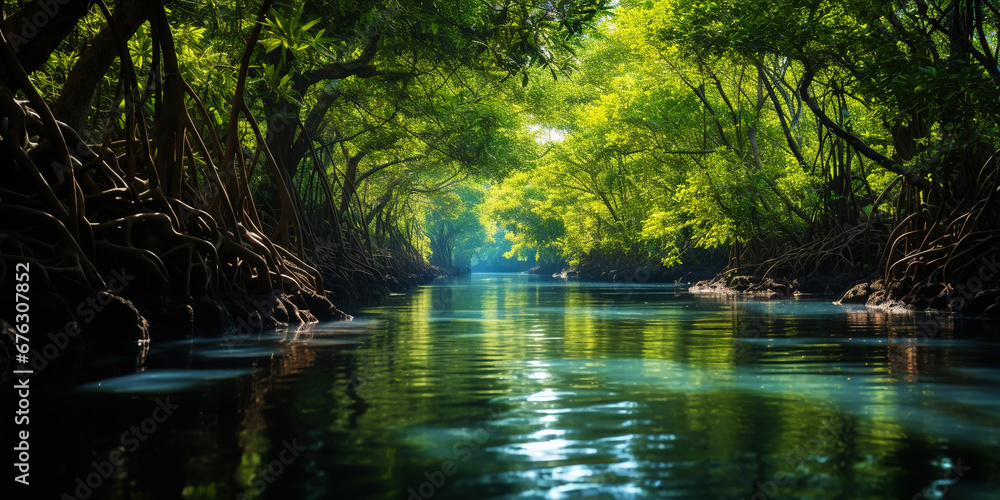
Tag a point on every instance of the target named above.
point(604, 390)
point(504, 386)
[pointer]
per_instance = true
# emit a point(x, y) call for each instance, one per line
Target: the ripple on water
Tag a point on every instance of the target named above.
point(571, 390)
point(161, 381)
point(240, 353)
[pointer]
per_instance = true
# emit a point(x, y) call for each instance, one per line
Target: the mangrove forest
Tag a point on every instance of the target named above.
point(500, 248)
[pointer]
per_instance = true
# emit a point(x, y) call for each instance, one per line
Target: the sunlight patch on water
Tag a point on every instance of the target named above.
point(917, 406)
point(548, 395)
point(545, 451)
point(447, 319)
point(606, 312)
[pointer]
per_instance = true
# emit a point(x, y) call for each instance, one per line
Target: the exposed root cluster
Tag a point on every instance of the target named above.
point(161, 213)
point(942, 254)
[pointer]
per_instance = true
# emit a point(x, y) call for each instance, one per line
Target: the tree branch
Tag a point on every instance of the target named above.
point(852, 140)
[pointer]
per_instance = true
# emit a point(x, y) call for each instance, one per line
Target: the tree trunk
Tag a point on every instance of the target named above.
point(36, 30)
point(73, 103)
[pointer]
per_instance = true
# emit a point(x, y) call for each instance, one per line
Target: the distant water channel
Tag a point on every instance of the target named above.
point(507, 386)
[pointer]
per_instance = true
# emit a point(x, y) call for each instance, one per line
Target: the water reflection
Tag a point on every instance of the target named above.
point(503, 386)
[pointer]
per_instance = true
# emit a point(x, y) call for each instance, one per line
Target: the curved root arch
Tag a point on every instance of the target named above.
point(152, 201)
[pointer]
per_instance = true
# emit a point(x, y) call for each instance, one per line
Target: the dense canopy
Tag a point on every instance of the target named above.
point(332, 149)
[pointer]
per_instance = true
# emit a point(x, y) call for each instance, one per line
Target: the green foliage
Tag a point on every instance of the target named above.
point(643, 172)
point(520, 207)
point(453, 226)
point(671, 126)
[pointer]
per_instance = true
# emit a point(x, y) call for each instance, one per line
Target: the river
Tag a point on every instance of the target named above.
point(508, 386)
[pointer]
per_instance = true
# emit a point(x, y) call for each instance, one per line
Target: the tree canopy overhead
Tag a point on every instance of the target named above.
point(319, 145)
point(257, 147)
point(803, 136)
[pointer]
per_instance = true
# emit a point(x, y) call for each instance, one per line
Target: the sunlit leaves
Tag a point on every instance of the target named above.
point(521, 206)
point(287, 30)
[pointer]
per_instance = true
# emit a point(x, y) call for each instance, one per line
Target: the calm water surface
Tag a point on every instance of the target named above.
point(506, 386)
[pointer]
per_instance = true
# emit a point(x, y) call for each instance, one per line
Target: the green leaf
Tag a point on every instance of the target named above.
point(310, 24)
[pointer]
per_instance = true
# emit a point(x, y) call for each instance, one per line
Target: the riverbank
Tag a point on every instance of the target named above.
point(733, 283)
point(974, 297)
point(112, 258)
point(71, 326)
point(624, 269)
point(662, 370)
point(833, 276)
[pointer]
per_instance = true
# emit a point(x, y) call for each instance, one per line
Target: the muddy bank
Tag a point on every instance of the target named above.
point(72, 329)
point(728, 283)
point(625, 268)
point(111, 247)
point(651, 273)
point(548, 269)
point(974, 297)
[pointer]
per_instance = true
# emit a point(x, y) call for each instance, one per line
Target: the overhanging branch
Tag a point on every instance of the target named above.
point(856, 143)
